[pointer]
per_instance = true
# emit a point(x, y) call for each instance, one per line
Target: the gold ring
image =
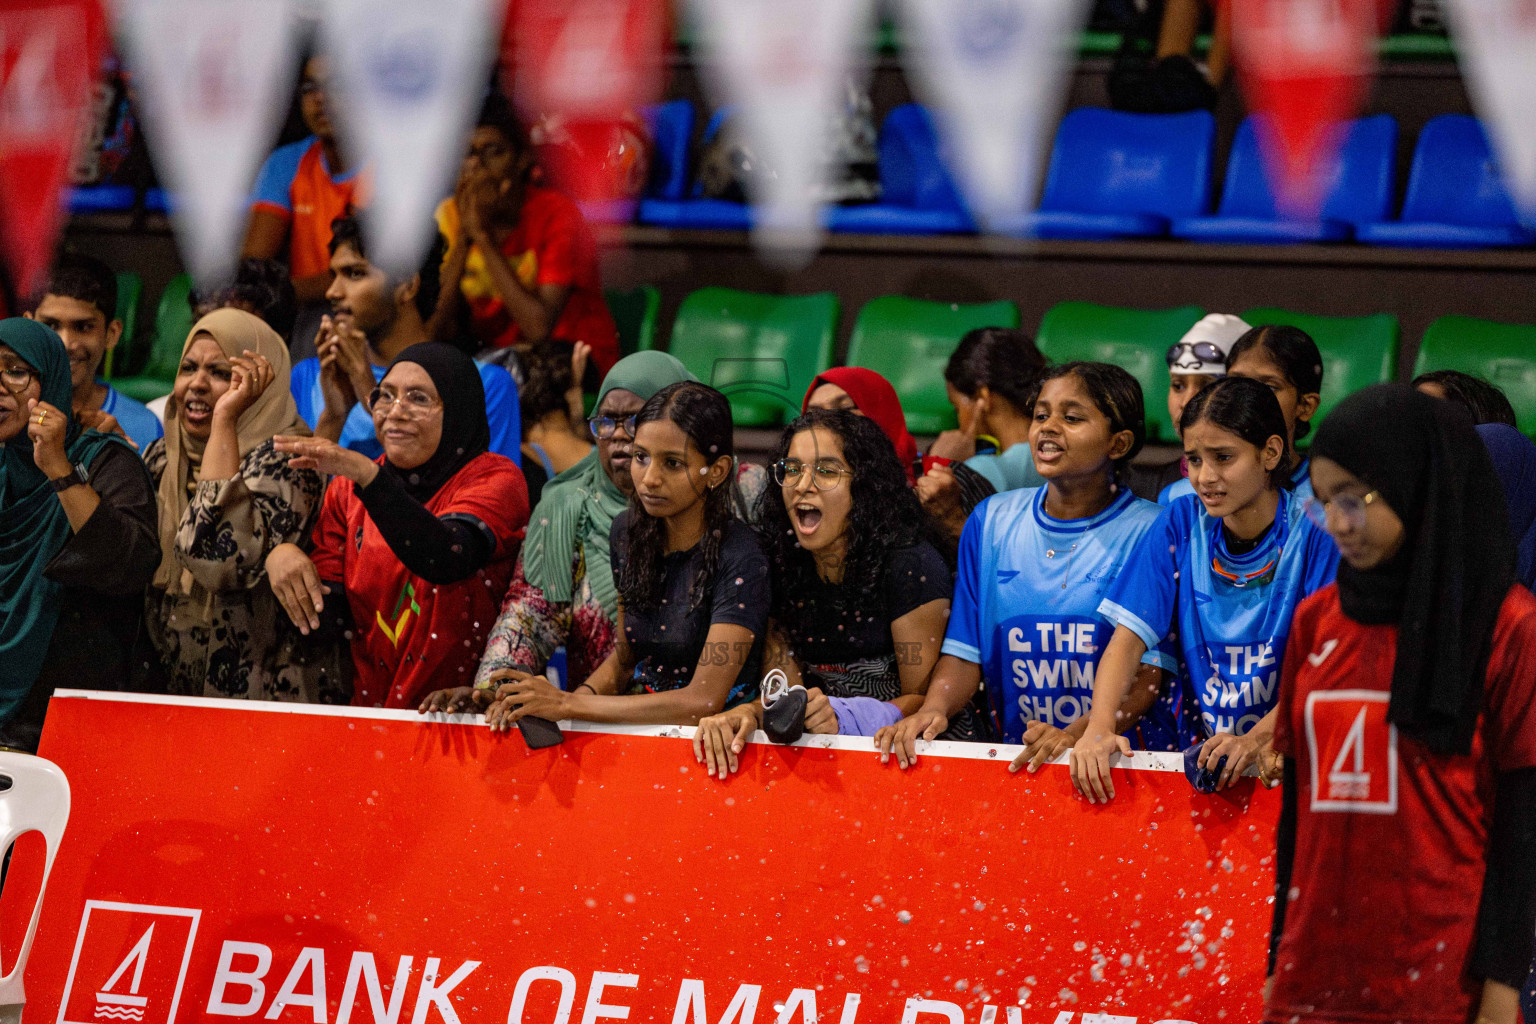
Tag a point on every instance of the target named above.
point(42, 414)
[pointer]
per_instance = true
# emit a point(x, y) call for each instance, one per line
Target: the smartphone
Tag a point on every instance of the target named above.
point(539, 733)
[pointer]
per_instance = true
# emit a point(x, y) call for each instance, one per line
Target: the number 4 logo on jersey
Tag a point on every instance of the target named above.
point(1353, 752)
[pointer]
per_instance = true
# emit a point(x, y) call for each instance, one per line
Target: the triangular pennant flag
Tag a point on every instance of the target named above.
point(213, 78)
point(783, 67)
point(1496, 40)
point(994, 72)
point(1305, 66)
point(49, 52)
point(588, 66)
point(409, 76)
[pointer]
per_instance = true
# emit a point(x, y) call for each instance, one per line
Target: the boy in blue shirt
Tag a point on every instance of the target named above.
point(79, 303)
point(373, 319)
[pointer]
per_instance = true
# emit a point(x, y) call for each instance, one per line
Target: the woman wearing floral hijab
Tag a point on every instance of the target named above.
point(227, 498)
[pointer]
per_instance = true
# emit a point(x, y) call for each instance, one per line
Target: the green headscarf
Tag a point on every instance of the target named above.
point(579, 505)
point(33, 524)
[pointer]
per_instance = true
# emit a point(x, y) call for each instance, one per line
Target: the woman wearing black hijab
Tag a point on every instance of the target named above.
point(421, 543)
point(1406, 881)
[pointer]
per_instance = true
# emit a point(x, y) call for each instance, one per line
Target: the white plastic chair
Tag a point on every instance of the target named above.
point(38, 801)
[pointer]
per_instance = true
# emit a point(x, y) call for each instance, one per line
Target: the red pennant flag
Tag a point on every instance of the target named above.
point(50, 50)
point(1304, 66)
point(581, 70)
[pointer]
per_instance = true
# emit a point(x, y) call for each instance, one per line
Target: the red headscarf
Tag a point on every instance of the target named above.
point(873, 396)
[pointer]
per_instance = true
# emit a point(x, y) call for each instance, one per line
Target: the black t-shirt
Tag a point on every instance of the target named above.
point(668, 640)
point(845, 645)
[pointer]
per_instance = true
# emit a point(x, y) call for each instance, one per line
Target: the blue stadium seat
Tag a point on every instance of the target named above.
point(693, 211)
point(1456, 199)
point(917, 194)
point(1120, 175)
point(1359, 192)
point(671, 127)
point(100, 199)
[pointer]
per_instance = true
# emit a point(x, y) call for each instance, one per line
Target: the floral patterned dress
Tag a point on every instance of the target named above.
point(227, 636)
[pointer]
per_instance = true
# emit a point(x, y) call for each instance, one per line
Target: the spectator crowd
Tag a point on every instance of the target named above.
point(387, 491)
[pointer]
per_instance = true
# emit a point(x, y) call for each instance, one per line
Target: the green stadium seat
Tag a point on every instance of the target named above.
point(763, 351)
point(1135, 339)
point(1357, 350)
point(173, 320)
point(909, 342)
point(635, 312)
point(1503, 354)
point(130, 287)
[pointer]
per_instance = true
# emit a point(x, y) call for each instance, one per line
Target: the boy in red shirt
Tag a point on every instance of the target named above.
point(524, 257)
point(1406, 879)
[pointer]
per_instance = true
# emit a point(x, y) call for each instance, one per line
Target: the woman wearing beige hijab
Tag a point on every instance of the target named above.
point(226, 500)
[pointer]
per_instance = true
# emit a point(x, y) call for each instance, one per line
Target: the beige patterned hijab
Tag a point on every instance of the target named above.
point(235, 331)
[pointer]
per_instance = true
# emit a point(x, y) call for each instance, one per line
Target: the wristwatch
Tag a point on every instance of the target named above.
point(78, 476)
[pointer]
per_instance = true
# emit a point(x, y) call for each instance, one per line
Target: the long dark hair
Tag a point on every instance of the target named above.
point(1293, 350)
point(704, 415)
point(885, 515)
point(1247, 408)
point(1484, 401)
point(1002, 359)
point(1116, 394)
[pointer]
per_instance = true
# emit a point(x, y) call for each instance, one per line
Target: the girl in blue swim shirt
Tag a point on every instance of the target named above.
point(1223, 571)
point(1034, 565)
point(1285, 360)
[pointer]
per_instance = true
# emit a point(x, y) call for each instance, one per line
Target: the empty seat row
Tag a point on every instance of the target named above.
point(764, 350)
point(1120, 175)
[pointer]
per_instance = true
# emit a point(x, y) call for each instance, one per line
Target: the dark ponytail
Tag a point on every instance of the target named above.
point(1242, 406)
point(704, 415)
point(1002, 359)
point(1293, 350)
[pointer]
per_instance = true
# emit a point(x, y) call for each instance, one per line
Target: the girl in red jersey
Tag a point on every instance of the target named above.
point(1406, 881)
point(413, 553)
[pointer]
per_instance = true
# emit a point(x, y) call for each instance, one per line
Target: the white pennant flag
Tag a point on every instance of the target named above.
point(994, 72)
point(213, 78)
point(1497, 43)
point(784, 65)
point(409, 78)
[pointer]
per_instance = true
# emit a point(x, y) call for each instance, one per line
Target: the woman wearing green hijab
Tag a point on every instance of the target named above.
point(78, 544)
point(563, 591)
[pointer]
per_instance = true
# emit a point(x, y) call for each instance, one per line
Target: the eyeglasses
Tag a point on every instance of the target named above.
point(1349, 508)
point(602, 427)
point(16, 378)
point(414, 401)
point(1201, 350)
point(825, 476)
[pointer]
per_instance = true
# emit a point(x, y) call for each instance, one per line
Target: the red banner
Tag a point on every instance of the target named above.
point(334, 866)
point(582, 70)
point(1305, 67)
point(49, 51)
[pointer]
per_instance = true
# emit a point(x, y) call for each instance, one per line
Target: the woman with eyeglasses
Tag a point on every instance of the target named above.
point(692, 582)
point(1034, 565)
point(77, 538)
point(227, 500)
point(860, 596)
point(1406, 864)
point(563, 593)
point(412, 552)
point(1222, 571)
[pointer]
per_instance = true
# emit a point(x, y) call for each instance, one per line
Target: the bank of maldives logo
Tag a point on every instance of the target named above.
point(129, 965)
point(1353, 750)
